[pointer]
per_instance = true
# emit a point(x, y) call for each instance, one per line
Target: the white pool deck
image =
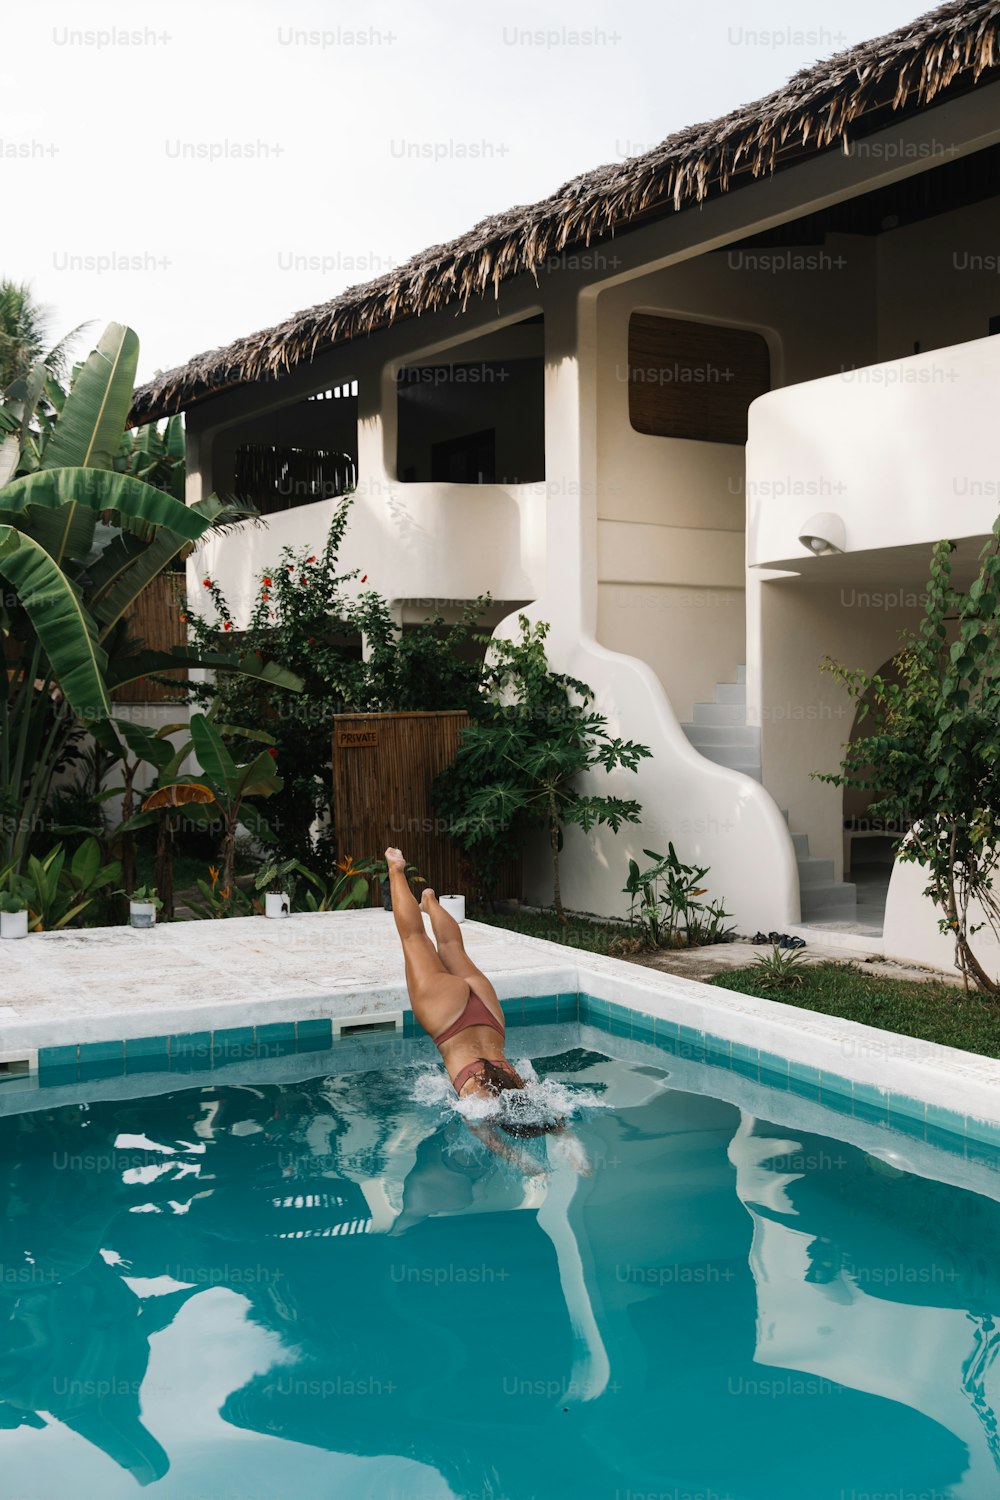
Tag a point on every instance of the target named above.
point(111, 983)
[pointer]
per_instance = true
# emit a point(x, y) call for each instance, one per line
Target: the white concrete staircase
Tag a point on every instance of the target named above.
point(719, 731)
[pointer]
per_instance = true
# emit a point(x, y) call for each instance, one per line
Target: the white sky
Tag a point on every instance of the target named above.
point(96, 140)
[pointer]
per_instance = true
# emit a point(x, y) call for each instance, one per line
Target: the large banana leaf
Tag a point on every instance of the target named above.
point(129, 564)
point(178, 794)
point(260, 777)
point(119, 594)
point(144, 663)
point(96, 409)
point(213, 757)
point(254, 822)
point(66, 533)
point(10, 452)
point(102, 490)
point(173, 439)
point(65, 630)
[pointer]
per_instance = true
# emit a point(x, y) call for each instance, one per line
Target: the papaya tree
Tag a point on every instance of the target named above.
point(519, 765)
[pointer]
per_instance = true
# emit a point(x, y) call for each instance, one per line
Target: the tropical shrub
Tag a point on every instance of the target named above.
point(664, 903)
point(55, 892)
point(779, 969)
point(350, 888)
point(932, 750)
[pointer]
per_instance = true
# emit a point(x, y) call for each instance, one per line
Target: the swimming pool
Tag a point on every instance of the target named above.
point(309, 1278)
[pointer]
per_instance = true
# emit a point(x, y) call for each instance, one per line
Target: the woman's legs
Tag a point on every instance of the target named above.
point(451, 949)
point(436, 996)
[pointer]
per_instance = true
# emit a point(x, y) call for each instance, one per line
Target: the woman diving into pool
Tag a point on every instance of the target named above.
point(457, 1006)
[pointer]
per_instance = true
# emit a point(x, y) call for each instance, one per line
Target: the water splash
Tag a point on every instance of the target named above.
point(540, 1102)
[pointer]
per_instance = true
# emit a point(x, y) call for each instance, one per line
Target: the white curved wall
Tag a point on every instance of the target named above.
point(437, 543)
point(911, 925)
point(714, 817)
point(905, 452)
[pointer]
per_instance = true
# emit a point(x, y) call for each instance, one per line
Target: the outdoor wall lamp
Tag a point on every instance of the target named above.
point(823, 534)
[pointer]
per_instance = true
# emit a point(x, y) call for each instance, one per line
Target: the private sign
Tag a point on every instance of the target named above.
point(352, 739)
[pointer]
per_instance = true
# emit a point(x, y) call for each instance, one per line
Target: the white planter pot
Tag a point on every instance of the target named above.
point(13, 924)
point(141, 914)
point(454, 906)
point(277, 904)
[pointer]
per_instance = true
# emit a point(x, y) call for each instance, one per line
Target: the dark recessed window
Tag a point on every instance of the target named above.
point(465, 460)
point(475, 421)
point(275, 477)
point(693, 380)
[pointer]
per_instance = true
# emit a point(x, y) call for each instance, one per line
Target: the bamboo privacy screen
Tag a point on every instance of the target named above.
point(383, 767)
point(155, 618)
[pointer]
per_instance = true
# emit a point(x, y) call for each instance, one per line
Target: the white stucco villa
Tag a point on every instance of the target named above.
point(623, 408)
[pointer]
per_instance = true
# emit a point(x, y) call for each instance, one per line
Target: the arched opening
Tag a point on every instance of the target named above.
point(870, 842)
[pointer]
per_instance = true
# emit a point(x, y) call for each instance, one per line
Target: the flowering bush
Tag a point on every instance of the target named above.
point(305, 617)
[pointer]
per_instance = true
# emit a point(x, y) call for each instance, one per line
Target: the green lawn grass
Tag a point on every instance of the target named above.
point(929, 1009)
point(577, 932)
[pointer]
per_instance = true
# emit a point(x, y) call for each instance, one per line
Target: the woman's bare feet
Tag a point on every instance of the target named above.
point(395, 859)
point(427, 898)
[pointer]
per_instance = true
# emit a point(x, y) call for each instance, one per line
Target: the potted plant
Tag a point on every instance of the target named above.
point(274, 880)
point(14, 908)
point(143, 904)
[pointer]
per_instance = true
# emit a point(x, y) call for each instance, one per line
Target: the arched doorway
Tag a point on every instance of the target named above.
point(869, 842)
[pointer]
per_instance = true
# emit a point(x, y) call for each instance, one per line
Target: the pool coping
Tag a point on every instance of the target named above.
point(935, 1088)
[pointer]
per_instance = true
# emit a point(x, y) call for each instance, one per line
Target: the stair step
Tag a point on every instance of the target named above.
point(733, 714)
point(815, 871)
point(747, 765)
point(704, 735)
point(836, 902)
point(801, 844)
point(741, 674)
point(731, 692)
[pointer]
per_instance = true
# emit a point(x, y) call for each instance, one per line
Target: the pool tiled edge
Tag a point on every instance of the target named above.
point(838, 1092)
point(188, 1052)
point(181, 1052)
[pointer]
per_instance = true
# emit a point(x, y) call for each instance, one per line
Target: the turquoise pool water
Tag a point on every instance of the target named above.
point(331, 1287)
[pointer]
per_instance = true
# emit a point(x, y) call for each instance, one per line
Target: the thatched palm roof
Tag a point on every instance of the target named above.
point(945, 52)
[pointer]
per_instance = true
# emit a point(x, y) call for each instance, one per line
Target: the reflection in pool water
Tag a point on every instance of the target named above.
point(333, 1287)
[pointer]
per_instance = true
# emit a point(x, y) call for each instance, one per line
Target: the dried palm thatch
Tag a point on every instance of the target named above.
point(945, 52)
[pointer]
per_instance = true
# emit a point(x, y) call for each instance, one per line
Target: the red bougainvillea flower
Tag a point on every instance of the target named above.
point(311, 641)
point(266, 582)
point(291, 567)
point(183, 619)
point(207, 582)
point(228, 625)
point(364, 578)
point(272, 752)
point(310, 559)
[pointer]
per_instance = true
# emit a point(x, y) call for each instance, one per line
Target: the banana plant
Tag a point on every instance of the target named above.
point(79, 541)
point(229, 785)
point(132, 746)
point(56, 892)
